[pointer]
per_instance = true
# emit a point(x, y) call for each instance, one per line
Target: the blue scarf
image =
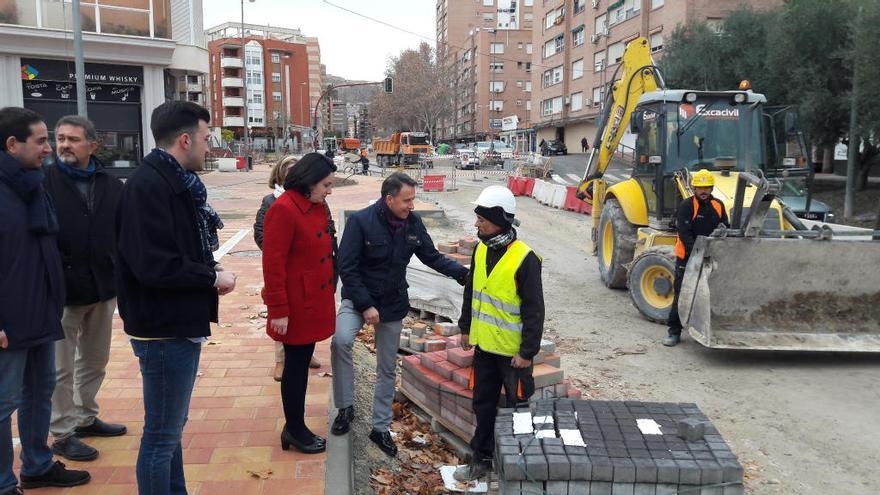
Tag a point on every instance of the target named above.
point(208, 219)
point(77, 173)
point(27, 183)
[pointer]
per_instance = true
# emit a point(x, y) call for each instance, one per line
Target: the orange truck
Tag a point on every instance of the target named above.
point(402, 148)
point(348, 144)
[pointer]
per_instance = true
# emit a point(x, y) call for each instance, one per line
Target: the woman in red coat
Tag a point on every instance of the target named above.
point(300, 285)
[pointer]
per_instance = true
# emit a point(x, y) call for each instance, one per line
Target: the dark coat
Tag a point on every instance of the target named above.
point(166, 286)
point(261, 216)
point(31, 279)
point(706, 220)
point(298, 269)
point(87, 240)
point(372, 262)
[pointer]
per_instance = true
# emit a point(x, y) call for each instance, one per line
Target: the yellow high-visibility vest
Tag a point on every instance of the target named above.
point(496, 322)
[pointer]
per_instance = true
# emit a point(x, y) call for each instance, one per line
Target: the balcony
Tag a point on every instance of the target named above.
point(232, 82)
point(233, 101)
point(233, 121)
point(231, 62)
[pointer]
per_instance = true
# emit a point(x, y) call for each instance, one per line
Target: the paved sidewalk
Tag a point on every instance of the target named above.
point(231, 442)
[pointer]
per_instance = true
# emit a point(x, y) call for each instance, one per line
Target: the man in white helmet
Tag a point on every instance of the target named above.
point(502, 316)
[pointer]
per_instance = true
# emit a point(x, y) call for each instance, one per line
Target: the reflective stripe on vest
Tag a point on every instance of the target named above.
point(496, 322)
point(680, 251)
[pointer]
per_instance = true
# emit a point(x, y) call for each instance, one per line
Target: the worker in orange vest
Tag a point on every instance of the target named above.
point(698, 215)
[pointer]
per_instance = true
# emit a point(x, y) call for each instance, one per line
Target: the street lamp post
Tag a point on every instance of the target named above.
point(247, 139)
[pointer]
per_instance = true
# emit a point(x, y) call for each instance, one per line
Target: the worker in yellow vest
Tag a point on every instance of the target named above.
point(698, 215)
point(502, 316)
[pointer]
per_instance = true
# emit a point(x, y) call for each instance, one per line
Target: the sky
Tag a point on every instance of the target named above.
point(351, 46)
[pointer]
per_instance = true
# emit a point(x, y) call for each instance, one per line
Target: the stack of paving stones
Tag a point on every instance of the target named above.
point(439, 381)
point(688, 456)
point(460, 251)
point(419, 337)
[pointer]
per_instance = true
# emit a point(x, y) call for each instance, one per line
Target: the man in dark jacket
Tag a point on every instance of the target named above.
point(376, 247)
point(502, 316)
point(31, 298)
point(85, 197)
point(168, 282)
point(698, 215)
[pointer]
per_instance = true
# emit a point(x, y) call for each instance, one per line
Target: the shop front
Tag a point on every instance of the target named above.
point(114, 104)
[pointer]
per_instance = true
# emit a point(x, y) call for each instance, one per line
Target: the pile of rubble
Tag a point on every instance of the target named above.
point(440, 383)
point(580, 447)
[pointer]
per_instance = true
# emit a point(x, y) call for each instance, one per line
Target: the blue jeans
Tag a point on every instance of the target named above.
point(27, 380)
point(169, 371)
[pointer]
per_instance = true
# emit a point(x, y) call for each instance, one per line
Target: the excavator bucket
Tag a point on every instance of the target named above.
point(783, 294)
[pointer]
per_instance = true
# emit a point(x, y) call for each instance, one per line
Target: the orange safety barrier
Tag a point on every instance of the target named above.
point(434, 183)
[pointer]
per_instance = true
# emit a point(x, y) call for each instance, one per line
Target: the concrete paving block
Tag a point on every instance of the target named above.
point(504, 450)
point(665, 489)
point(446, 329)
point(667, 471)
point(731, 470)
point(600, 488)
point(645, 489)
point(556, 488)
point(548, 346)
point(434, 345)
point(688, 472)
point(460, 357)
point(417, 344)
point(603, 469)
point(711, 472)
point(536, 467)
point(575, 450)
point(468, 243)
point(553, 360)
point(445, 369)
point(418, 329)
point(578, 488)
point(510, 488)
point(558, 467)
point(545, 375)
point(733, 490)
point(691, 429)
point(622, 488)
point(447, 247)
point(404, 341)
point(513, 467)
point(646, 470)
point(554, 449)
point(624, 470)
point(711, 490)
point(580, 467)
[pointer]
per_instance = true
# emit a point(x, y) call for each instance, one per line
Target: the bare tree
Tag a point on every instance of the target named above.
point(422, 95)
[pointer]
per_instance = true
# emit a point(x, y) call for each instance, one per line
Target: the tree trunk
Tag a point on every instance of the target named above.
point(828, 160)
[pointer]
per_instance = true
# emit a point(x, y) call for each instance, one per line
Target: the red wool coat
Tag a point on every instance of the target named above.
point(298, 269)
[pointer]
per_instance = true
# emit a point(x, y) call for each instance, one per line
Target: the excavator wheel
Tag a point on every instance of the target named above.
point(616, 243)
point(651, 279)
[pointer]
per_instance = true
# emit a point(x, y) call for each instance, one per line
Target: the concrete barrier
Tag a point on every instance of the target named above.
point(227, 165)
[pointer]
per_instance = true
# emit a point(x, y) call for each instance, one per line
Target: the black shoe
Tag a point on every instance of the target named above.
point(384, 441)
point(57, 475)
point(73, 449)
point(316, 446)
point(672, 340)
point(343, 420)
point(100, 429)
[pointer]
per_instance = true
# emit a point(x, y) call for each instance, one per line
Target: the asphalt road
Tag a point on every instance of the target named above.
point(569, 169)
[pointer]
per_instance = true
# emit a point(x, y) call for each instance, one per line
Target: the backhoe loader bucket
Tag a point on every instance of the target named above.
point(783, 294)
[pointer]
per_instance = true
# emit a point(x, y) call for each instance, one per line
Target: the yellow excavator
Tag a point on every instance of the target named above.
point(767, 282)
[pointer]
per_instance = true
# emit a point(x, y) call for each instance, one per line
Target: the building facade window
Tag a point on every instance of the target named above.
point(577, 69)
point(554, 17)
point(496, 48)
point(577, 36)
point(656, 3)
point(602, 25)
point(529, 48)
point(276, 77)
point(496, 105)
point(615, 52)
point(488, 17)
point(622, 10)
point(554, 46)
point(488, 3)
point(577, 101)
point(579, 6)
point(254, 77)
point(599, 61)
point(552, 77)
point(656, 42)
point(598, 95)
point(528, 86)
point(529, 105)
point(496, 67)
point(276, 96)
point(551, 106)
point(276, 58)
point(496, 86)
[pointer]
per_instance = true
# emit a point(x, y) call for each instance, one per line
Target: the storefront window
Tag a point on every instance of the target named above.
point(128, 17)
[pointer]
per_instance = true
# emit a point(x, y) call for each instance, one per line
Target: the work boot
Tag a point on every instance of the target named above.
point(384, 441)
point(343, 420)
point(73, 449)
point(101, 429)
point(672, 340)
point(474, 470)
point(57, 475)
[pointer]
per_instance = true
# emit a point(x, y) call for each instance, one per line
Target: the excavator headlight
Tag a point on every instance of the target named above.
point(739, 98)
point(690, 97)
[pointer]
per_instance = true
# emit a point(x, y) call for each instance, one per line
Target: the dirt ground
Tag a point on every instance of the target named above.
point(866, 204)
point(801, 423)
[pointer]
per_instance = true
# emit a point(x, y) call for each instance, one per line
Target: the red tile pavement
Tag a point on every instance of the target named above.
point(231, 442)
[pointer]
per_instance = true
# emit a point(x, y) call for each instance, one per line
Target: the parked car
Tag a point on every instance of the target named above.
point(554, 147)
point(466, 159)
point(493, 153)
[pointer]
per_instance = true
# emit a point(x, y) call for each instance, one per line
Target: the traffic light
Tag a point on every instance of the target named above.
point(389, 85)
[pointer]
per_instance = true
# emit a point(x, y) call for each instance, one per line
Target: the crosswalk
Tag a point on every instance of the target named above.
point(573, 179)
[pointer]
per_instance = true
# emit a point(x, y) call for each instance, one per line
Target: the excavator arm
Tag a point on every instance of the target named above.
point(638, 75)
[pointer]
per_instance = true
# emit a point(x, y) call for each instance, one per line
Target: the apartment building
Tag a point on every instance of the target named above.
point(280, 69)
point(487, 46)
point(138, 54)
point(578, 44)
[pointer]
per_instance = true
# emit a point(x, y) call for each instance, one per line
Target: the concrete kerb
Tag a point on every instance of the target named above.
point(339, 466)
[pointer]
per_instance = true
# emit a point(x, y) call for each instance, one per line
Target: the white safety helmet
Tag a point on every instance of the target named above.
point(493, 196)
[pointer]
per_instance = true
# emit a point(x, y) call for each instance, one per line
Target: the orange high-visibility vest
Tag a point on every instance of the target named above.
point(679, 246)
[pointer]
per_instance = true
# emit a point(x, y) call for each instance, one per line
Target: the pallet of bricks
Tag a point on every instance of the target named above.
point(585, 447)
point(439, 383)
point(460, 251)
